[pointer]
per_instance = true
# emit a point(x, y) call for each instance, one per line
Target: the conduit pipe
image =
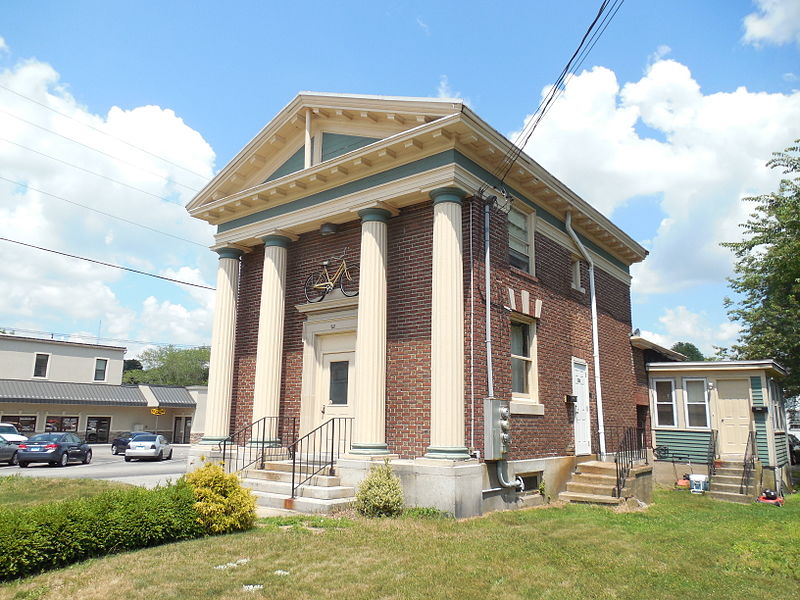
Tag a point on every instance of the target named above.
point(595, 338)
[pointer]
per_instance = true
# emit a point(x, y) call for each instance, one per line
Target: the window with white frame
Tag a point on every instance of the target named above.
point(777, 407)
point(520, 240)
point(100, 366)
point(524, 384)
point(695, 391)
point(665, 402)
point(40, 365)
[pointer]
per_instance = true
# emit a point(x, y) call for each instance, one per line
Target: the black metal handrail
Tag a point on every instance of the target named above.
point(615, 434)
point(631, 448)
point(269, 438)
point(318, 450)
point(749, 462)
point(712, 455)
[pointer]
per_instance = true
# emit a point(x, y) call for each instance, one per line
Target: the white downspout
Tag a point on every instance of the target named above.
point(601, 430)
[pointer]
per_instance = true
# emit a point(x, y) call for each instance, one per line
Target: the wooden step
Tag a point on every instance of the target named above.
point(589, 498)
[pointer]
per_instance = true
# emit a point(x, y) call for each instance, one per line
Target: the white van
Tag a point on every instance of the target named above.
point(9, 431)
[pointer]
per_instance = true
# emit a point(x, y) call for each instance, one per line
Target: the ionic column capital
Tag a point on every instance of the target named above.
point(380, 215)
point(447, 194)
point(233, 253)
point(280, 241)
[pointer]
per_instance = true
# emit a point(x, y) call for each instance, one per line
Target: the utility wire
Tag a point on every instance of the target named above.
point(69, 164)
point(111, 135)
point(53, 334)
point(117, 158)
point(177, 237)
point(99, 262)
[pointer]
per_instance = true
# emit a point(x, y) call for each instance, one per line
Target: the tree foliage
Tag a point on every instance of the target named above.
point(689, 350)
point(171, 366)
point(767, 274)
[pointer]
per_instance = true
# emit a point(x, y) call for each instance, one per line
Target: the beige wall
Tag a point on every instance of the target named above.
point(199, 394)
point(73, 363)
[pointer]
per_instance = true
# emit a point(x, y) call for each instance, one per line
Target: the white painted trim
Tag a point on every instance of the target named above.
point(686, 403)
point(654, 403)
point(49, 356)
point(105, 371)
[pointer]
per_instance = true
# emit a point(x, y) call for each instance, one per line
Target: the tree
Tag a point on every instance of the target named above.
point(689, 350)
point(767, 274)
point(171, 366)
point(131, 365)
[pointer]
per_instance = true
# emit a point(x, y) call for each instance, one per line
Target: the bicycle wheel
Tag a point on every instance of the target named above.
point(314, 294)
point(349, 285)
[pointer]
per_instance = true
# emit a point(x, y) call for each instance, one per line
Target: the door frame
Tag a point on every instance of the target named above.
point(583, 447)
point(717, 421)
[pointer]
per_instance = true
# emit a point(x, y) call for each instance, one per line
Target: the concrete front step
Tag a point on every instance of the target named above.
point(728, 472)
point(727, 479)
point(287, 466)
point(589, 498)
point(319, 480)
point(718, 486)
point(595, 478)
point(306, 491)
point(300, 504)
point(732, 497)
point(598, 468)
point(590, 488)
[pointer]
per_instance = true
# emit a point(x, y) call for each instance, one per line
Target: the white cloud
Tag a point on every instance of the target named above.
point(711, 153)
point(662, 51)
point(424, 26)
point(682, 325)
point(790, 77)
point(775, 22)
point(3, 46)
point(444, 90)
point(45, 291)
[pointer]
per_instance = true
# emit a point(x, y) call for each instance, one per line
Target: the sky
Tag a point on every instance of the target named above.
point(113, 115)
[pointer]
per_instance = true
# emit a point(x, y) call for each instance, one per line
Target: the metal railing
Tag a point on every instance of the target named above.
point(631, 449)
point(614, 435)
point(748, 463)
point(269, 438)
point(316, 452)
point(711, 456)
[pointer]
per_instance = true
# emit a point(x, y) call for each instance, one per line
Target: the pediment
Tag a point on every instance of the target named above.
point(333, 124)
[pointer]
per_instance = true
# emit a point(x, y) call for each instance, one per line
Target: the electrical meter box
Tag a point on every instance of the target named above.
point(496, 428)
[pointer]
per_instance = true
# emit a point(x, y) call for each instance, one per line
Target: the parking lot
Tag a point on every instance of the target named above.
point(105, 465)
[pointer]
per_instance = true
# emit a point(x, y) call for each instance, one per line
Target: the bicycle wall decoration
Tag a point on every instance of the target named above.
point(318, 285)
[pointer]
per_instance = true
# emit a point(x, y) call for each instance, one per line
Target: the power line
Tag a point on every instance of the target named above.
point(53, 334)
point(97, 129)
point(69, 164)
point(122, 160)
point(99, 262)
point(177, 237)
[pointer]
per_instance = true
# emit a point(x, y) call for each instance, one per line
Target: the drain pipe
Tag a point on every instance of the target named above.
point(487, 282)
point(595, 338)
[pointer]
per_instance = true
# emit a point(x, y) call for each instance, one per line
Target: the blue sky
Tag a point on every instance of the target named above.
point(666, 128)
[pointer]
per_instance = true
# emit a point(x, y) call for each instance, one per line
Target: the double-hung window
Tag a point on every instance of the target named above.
point(100, 366)
point(665, 403)
point(696, 402)
point(40, 365)
point(520, 240)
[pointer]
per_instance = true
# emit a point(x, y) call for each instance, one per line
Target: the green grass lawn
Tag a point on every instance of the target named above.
point(16, 490)
point(683, 546)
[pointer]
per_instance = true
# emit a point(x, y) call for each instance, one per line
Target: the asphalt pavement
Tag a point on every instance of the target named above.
point(105, 465)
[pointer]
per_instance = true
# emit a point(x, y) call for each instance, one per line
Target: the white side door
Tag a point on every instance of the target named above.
point(581, 422)
point(733, 408)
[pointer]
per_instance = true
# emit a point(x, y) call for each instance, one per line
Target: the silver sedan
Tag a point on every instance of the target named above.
point(154, 447)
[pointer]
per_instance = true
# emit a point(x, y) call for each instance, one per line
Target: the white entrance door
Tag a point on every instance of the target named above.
point(733, 408)
point(580, 389)
point(333, 382)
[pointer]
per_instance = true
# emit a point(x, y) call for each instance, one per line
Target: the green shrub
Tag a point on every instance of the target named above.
point(52, 535)
point(223, 505)
point(380, 494)
point(425, 512)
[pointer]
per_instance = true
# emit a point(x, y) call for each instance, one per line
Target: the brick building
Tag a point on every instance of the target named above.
point(407, 192)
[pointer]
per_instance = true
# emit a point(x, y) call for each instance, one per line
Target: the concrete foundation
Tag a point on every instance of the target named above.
point(201, 454)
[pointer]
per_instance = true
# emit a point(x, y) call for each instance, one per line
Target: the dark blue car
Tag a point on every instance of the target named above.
point(58, 449)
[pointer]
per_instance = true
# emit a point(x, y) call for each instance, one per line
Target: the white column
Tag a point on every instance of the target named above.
point(220, 376)
point(269, 351)
point(369, 425)
point(447, 328)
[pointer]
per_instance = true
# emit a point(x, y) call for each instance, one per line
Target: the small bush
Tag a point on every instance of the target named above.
point(380, 494)
point(52, 535)
point(223, 505)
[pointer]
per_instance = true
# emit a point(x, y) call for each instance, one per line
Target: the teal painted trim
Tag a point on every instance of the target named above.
point(374, 214)
point(420, 166)
point(762, 445)
point(447, 452)
point(369, 449)
point(276, 240)
point(296, 162)
point(781, 453)
point(757, 391)
point(234, 253)
point(447, 194)
point(336, 144)
point(684, 444)
point(212, 441)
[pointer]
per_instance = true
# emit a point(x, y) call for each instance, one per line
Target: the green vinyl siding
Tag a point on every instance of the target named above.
point(294, 163)
point(684, 445)
point(781, 454)
point(762, 443)
point(336, 144)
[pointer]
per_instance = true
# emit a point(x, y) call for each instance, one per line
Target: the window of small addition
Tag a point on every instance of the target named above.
point(665, 403)
point(696, 402)
point(40, 365)
point(521, 227)
point(524, 377)
point(100, 367)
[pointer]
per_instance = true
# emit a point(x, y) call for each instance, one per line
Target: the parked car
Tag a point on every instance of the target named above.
point(119, 444)
point(8, 450)
point(55, 448)
point(148, 446)
point(9, 431)
point(794, 449)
